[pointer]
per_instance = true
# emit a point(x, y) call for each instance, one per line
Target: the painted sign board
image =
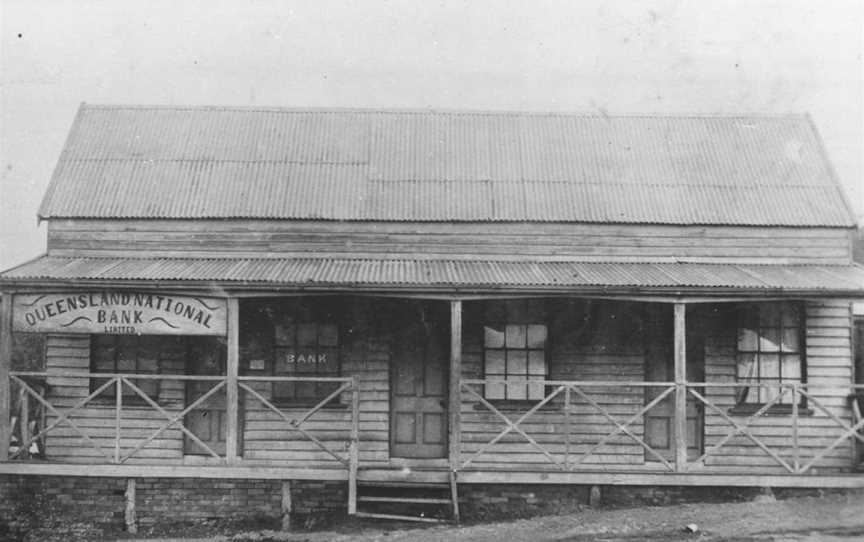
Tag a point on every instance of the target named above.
point(119, 313)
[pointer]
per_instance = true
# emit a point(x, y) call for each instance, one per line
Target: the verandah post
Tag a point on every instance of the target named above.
point(232, 395)
point(680, 363)
point(455, 400)
point(5, 367)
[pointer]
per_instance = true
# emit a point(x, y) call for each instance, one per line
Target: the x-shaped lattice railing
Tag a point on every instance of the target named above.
point(567, 388)
point(741, 428)
point(118, 381)
point(173, 419)
point(849, 431)
point(294, 424)
point(62, 416)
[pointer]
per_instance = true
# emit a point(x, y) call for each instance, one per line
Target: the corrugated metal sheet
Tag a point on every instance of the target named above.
point(164, 162)
point(330, 272)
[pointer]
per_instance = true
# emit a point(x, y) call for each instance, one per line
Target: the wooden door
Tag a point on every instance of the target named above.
point(207, 420)
point(660, 367)
point(418, 398)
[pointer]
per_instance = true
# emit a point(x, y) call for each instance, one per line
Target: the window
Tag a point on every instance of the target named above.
point(307, 349)
point(770, 351)
point(515, 355)
point(126, 354)
point(297, 338)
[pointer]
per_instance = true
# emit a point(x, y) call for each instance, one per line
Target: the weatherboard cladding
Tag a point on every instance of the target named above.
point(165, 162)
point(334, 272)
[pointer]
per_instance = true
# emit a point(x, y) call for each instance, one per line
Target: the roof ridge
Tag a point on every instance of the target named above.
point(447, 111)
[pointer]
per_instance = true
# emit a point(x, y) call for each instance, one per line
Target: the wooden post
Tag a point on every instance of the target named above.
point(232, 394)
point(24, 421)
point(455, 406)
point(353, 447)
point(118, 413)
point(287, 505)
point(680, 388)
point(796, 459)
point(131, 519)
point(567, 428)
point(5, 367)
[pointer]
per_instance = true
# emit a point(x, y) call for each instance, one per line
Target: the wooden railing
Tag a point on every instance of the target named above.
point(121, 449)
point(560, 397)
point(27, 419)
point(791, 396)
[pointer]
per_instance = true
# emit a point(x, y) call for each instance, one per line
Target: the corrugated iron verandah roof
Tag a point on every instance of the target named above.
point(222, 162)
point(337, 273)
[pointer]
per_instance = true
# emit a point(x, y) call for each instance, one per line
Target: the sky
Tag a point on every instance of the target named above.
point(591, 56)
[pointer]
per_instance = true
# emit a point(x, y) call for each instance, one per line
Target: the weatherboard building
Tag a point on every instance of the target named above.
point(341, 307)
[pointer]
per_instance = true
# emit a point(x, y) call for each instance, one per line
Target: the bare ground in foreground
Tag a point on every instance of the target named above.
point(832, 517)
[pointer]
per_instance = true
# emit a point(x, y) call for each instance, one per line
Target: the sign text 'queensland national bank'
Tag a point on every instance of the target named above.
point(119, 313)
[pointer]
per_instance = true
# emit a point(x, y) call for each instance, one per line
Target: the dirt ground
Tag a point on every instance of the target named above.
point(828, 518)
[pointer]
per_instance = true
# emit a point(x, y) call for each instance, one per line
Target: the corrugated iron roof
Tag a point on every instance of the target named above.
point(208, 162)
point(386, 273)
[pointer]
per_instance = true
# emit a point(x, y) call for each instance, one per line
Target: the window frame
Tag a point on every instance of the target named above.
point(109, 394)
point(319, 395)
point(742, 404)
point(505, 382)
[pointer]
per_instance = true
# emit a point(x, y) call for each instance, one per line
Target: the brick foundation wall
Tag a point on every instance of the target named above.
point(180, 499)
point(30, 502)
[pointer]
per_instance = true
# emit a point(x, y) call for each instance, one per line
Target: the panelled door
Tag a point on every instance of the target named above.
point(660, 367)
point(207, 421)
point(418, 387)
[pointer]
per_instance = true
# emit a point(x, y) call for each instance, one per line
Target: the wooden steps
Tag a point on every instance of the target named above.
point(408, 501)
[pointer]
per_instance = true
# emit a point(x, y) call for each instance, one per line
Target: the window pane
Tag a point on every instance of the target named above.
point(125, 363)
point(747, 340)
point(536, 336)
point(517, 363)
point(537, 363)
point(747, 368)
point(769, 340)
point(495, 390)
point(516, 336)
point(518, 389)
point(307, 335)
point(746, 394)
point(284, 334)
point(536, 390)
point(494, 337)
point(283, 390)
point(768, 393)
point(494, 362)
point(792, 368)
point(147, 364)
point(327, 335)
point(769, 366)
point(284, 361)
point(305, 390)
point(790, 339)
point(328, 362)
